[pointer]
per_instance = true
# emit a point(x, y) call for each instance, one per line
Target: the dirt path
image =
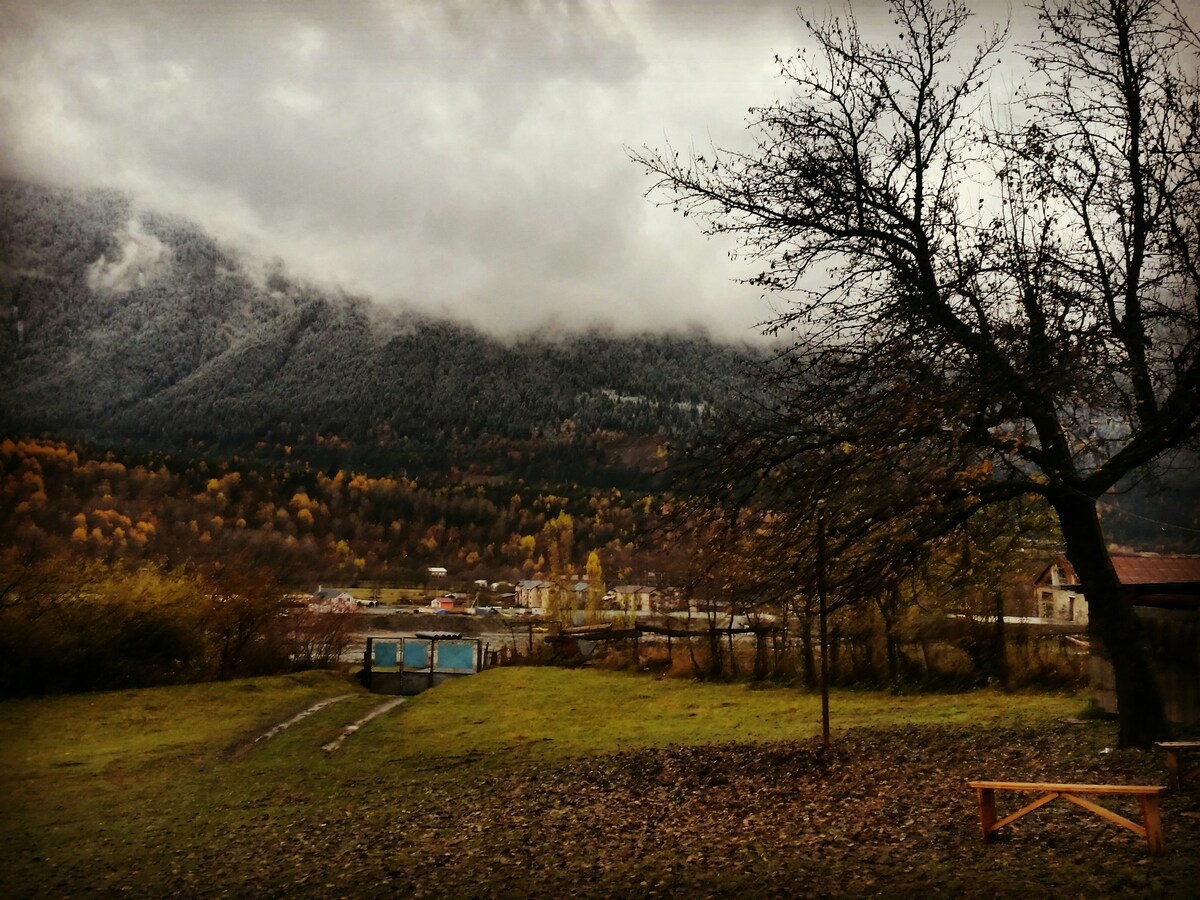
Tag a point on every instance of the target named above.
point(337, 742)
point(242, 749)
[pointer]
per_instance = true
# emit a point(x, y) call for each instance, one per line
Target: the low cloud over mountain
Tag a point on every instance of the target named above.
point(124, 324)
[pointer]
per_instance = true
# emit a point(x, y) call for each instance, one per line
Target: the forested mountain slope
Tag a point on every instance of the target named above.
point(119, 324)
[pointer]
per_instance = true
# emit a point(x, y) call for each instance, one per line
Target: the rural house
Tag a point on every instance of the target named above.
point(1057, 597)
point(533, 594)
point(332, 595)
point(1148, 579)
point(636, 597)
point(326, 599)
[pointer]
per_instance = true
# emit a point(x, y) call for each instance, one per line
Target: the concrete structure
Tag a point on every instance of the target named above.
point(409, 666)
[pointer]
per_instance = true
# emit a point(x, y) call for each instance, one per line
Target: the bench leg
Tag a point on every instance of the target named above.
point(1153, 822)
point(987, 810)
point(1173, 769)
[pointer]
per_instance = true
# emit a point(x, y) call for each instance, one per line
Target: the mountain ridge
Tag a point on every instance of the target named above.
point(130, 325)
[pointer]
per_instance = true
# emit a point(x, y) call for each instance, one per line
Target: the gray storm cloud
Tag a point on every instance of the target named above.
point(463, 158)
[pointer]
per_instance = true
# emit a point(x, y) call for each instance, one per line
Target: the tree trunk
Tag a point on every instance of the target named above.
point(716, 668)
point(887, 611)
point(893, 663)
point(696, 673)
point(808, 658)
point(779, 643)
point(1142, 720)
point(923, 642)
point(999, 642)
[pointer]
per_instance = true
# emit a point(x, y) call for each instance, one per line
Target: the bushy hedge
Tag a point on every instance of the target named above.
point(68, 625)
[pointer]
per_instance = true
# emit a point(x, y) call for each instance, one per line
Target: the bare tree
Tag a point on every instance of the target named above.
point(975, 313)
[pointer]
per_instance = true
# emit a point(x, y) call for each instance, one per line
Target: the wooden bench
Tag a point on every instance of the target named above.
point(1150, 829)
point(1176, 775)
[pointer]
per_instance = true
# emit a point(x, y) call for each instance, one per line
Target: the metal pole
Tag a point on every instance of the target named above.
point(822, 618)
point(432, 653)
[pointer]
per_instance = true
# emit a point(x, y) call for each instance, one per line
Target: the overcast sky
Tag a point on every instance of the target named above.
point(461, 158)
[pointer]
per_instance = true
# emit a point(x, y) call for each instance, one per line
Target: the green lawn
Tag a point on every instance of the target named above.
point(554, 713)
point(143, 791)
point(88, 734)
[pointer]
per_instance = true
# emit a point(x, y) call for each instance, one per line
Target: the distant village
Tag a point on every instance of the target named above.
point(1051, 593)
point(1044, 598)
point(529, 597)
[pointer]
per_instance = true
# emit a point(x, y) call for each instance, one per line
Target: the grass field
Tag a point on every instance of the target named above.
point(534, 781)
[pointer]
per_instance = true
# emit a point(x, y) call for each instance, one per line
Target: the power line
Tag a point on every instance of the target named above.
point(1155, 521)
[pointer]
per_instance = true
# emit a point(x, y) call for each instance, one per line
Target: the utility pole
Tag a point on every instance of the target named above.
point(822, 617)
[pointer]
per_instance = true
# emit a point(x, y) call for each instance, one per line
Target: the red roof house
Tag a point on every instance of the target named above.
point(1148, 579)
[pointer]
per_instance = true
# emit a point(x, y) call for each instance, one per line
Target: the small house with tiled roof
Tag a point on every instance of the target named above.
point(1148, 579)
point(325, 599)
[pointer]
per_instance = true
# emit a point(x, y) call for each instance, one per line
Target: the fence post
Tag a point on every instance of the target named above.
point(822, 614)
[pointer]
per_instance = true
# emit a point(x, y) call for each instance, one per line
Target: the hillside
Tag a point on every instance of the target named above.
point(121, 325)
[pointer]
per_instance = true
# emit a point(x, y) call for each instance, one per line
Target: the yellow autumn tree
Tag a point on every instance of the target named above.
point(557, 539)
point(596, 588)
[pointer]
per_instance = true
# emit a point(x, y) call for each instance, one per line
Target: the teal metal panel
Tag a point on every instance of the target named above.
point(385, 654)
point(455, 656)
point(416, 654)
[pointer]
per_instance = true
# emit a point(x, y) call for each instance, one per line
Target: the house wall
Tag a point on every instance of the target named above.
point(1055, 601)
point(640, 601)
point(534, 598)
point(1061, 604)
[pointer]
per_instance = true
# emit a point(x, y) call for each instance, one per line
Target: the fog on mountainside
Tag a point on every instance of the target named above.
point(119, 324)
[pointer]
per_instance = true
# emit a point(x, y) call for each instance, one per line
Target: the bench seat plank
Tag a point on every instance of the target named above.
point(1068, 788)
